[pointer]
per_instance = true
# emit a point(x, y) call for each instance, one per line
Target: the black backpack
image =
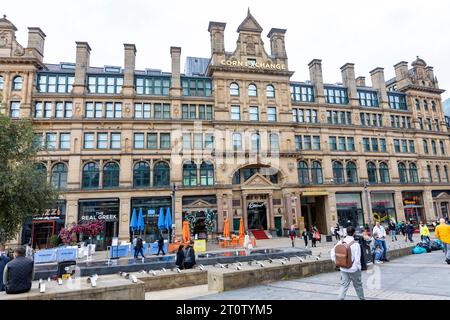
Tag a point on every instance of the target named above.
point(187, 255)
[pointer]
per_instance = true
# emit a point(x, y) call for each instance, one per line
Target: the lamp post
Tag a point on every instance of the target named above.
point(174, 189)
point(369, 206)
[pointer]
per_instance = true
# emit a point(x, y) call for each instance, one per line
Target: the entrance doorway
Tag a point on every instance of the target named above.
point(41, 233)
point(313, 212)
point(257, 216)
point(278, 226)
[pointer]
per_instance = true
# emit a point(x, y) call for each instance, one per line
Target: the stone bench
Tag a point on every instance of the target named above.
point(111, 287)
point(230, 278)
point(172, 280)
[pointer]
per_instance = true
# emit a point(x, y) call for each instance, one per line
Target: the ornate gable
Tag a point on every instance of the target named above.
point(249, 24)
point(258, 180)
point(199, 204)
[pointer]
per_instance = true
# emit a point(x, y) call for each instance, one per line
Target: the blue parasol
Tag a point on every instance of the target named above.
point(168, 219)
point(134, 222)
point(140, 221)
point(161, 220)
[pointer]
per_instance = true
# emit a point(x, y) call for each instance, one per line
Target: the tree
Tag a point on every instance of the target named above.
point(24, 190)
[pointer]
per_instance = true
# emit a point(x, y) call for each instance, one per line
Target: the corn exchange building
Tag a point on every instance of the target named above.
point(232, 136)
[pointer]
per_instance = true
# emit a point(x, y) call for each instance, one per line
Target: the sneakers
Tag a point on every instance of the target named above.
point(447, 260)
point(378, 262)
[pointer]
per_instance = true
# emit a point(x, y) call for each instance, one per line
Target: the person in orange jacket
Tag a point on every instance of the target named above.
point(442, 232)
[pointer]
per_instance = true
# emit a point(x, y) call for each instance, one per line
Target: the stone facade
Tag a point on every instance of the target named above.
point(251, 93)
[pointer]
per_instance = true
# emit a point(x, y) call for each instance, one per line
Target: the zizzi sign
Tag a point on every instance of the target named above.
point(253, 65)
point(254, 205)
point(100, 216)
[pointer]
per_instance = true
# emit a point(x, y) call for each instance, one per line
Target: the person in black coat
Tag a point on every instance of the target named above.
point(19, 273)
point(189, 256)
point(3, 262)
point(409, 231)
point(180, 257)
point(139, 249)
point(161, 244)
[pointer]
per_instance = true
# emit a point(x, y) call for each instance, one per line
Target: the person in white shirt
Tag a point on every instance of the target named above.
point(352, 274)
point(381, 239)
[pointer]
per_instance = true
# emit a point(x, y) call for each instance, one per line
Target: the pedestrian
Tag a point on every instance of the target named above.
point(305, 237)
point(347, 256)
point(292, 235)
point(19, 273)
point(392, 231)
point(189, 256)
point(403, 230)
point(410, 230)
point(161, 244)
point(337, 229)
point(424, 233)
point(381, 238)
point(3, 262)
point(312, 237)
point(442, 232)
point(317, 234)
point(180, 257)
point(139, 248)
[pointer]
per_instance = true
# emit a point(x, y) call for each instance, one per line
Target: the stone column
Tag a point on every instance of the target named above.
point(348, 79)
point(298, 207)
point(178, 216)
point(71, 212)
point(288, 209)
point(244, 210)
point(271, 222)
point(124, 219)
point(428, 206)
point(220, 219)
point(398, 198)
point(175, 88)
point(230, 210)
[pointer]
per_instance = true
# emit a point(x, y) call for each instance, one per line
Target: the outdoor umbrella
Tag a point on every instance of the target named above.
point(168, 221)
point(133, 222)
point(241, 228)
point(186, 233)
point(140, 222)
point(226, 228)
point(161, 220)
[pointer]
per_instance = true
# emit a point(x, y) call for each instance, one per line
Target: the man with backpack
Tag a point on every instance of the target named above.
point(189, 256)
point(347, 256)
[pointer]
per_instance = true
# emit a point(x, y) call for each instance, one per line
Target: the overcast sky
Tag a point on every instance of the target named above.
point(368, 33)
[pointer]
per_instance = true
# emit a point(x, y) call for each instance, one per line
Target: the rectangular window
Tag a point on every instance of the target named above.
point(429, 126)
point(374, 120)
point(420, 123)
point(209, 112)
point(362, 118)
point(397, 101)
point(38, 110)
point(187, 141)
point(298, 143)
point(404, 146)
point(15, 109)
point(117, 110)
point(349, 118)
point(308, 116)
point(316, 143)
point(198, 141)
point(380, 120)
point(64, 141)
point(209, 141)
point(272, 114)
point(152, 141)
point(68, 110)
point(441, 145)
point(192, 111)
point(374, 144)
point(336, 95)
point(335, 117)
point(332, 143)
point(368, 98)
point(59, 110)
point(342, 145)
point(115, 140)
point(294, 115)
point(109, 110)
point(383, 145)
point(351, 144)
point(425, 146)
point(314, 116)
point(235, 113)
point(302, 93)
point(37, 141)
point(342, 116)
point(98, 110)
point(139, 141)
point(138, 112)
point(307, 142)
point(89, 111)
point(164, 141)
point(254, 114)
point(412, 148)
point(166, 111)
point(201, 112)
point(47, 110)
point(397, 145)
point(301, 117)
point(50, 141)
point(102, 140)
point(89, 140)
point(366, 145)
point(158, 110)
point(329, 119)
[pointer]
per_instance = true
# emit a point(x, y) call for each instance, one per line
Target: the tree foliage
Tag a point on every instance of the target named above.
point(24, 190)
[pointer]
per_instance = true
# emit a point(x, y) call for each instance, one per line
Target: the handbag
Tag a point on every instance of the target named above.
point(317, 235)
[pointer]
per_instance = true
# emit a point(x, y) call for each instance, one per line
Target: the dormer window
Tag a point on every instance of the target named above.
point(112, 69)
point(67, 65)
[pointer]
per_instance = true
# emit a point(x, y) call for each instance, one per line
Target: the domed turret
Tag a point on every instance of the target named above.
point(5, 24)
point(419, 63)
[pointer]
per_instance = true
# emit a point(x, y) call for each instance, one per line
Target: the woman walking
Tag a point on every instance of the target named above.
point(305, 237)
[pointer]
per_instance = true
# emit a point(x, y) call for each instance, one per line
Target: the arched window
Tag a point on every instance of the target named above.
point(270, 91)
point(237, 141)
point(161, 174)
point(316, 173)
point(252, 91)
point(430, 175)
point(413, 176)
point(17, 83)
point(338, 172)
point(2, 83)
point(384, 173)
point(111, 172)
point(274, 142)
point(234, 89)
point(141, 175)
point(303, 172)
point(91, 175)
point(438, 174)
point(59, 176)
point(352, 174)
point(189, 174)
point(237, 177)
point(256, 143)
point(206, 174)
point(402, 173)
point(372, 172)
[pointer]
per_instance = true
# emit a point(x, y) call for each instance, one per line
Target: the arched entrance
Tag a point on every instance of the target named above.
point(257, 215)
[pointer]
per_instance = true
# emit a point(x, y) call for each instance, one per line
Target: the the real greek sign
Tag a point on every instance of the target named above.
point(99, 216)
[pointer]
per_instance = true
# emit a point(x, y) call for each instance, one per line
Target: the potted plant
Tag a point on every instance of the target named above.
point(53, 241)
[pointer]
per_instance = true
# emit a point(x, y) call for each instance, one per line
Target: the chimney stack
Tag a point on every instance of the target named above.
point(217, 34)
point(361, 81)
point(130, 63)
point(82, 65)
point(277, 44)
point(175, 89)
point(379, 83)
point(348, 79)
point(316, 77)
point(36, 40)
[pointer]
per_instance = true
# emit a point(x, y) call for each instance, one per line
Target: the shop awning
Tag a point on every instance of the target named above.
point(314, 193)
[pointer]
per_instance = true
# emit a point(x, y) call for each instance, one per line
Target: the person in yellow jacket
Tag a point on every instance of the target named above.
point(424, 232)
point(443, 234)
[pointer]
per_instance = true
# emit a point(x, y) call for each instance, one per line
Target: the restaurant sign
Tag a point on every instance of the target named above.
point(99, 215)
point(50, 214)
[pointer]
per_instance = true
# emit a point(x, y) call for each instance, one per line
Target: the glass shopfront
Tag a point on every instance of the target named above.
point(199, 207)
point(383, 207)
point(37, 231)
point(349, 209)
point(413, 206)
point(150, 211)
point(106, 210)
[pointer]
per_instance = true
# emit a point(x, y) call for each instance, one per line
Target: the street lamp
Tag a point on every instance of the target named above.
point(174, 189)
point(369, 206)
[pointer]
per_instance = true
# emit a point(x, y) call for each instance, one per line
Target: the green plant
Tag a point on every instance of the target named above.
point(53, 241)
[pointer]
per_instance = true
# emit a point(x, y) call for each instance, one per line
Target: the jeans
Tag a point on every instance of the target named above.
point(338, 237)
point(160, 248)
point(306, 242)
point(346, 278)
point(393, 234)
point(137, 251)
point(447, 251)
point(410, 235)
point(382, 244)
